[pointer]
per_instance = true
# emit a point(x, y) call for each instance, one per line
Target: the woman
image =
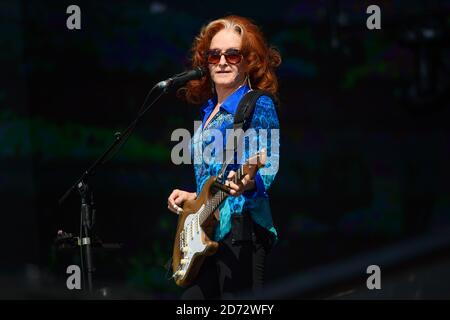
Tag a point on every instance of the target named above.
point(238, 59)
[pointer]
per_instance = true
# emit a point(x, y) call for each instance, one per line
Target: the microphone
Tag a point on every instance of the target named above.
point(182, 78)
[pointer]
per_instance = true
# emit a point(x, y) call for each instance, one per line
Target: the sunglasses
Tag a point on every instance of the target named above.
point(232, 56)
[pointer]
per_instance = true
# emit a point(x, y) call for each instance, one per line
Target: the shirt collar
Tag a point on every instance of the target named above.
point(230, 104)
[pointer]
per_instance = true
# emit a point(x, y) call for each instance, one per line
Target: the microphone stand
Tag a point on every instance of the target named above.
point(87, 203)
point(87, 221)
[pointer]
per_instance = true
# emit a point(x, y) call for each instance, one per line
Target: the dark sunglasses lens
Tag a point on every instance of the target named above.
point(213, 57)
point(233, 58)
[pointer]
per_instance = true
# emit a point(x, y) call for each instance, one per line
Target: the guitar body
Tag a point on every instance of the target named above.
point(194, 237)
point(197, 222)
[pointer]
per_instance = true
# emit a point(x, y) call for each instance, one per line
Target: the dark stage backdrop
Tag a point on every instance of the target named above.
point(364, 130)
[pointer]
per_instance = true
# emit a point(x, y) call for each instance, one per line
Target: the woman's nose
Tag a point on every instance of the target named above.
point(222, 61)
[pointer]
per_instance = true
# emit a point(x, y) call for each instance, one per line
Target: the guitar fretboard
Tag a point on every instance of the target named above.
point(217, 199)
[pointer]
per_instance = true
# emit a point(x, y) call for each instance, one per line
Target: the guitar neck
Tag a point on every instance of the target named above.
point(212, 205)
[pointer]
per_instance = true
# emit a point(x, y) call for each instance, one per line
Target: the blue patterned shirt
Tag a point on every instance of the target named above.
point(206, 142)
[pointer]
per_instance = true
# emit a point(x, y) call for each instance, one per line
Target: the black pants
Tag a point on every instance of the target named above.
point(236, 270)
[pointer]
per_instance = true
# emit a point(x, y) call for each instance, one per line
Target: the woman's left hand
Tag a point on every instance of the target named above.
point(245, 184)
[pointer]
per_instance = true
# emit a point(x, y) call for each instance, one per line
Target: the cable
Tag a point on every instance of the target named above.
point(146, 98)
point(81, 250)
point(131, 127)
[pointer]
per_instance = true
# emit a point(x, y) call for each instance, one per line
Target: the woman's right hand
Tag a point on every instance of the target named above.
point(177, 198)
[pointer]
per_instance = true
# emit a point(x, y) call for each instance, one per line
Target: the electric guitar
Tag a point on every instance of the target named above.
point(197, 221)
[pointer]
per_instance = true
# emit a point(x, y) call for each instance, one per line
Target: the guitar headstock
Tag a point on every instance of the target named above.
point(255, 162)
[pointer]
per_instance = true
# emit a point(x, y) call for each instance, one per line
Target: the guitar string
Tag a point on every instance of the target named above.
point(217, 199)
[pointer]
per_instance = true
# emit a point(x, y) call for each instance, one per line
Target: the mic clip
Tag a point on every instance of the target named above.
point(167, 84)
point(181, 78)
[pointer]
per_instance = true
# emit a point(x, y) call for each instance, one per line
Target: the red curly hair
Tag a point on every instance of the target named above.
point(260, 58)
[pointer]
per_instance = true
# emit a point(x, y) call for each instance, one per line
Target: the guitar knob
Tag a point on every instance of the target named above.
point(185, 249)
point(183, 261)
point(180, 273)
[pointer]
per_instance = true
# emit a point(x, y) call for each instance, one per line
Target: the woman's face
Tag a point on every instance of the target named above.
point(225, 74)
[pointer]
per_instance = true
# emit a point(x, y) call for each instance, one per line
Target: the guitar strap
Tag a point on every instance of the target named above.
point(242, 120)
point(242, 228)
